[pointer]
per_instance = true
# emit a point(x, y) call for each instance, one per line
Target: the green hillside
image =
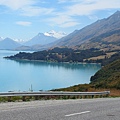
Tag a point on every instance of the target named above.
point(108, 76)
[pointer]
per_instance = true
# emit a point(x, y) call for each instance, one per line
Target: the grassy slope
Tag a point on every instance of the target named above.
point(108, 76)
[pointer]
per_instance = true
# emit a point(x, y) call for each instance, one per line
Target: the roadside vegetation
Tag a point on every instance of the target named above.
point(49, 97)
point(90, 88)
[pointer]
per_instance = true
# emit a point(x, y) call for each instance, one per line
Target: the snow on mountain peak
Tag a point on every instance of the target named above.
point(55, 34)
point(19, 40)
point(1, 38)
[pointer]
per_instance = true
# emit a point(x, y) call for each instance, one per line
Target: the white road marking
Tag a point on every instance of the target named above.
point(77, 113)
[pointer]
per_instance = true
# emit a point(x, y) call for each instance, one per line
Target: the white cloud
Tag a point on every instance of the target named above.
point(35, 11)
point(16, 4)
point(60, 19)
point(72, 12)
point(69, 24)
point(68, 1)
point(61, 15)
point(27, 7)
point(93, 17)
point(89, 6)
point(23, 23)
point(63, 21)
point(62, 1)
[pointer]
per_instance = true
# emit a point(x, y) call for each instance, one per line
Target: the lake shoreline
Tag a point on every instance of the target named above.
point(50, 61)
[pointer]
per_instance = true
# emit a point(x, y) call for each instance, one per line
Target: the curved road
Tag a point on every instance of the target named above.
point(82, 109)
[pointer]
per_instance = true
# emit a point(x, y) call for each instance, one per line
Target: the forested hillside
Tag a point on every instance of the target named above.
point(69, 55)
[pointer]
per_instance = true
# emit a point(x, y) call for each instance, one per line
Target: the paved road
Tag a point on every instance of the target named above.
point(83, 109)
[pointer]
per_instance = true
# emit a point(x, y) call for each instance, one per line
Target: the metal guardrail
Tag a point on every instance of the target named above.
point(52, 93)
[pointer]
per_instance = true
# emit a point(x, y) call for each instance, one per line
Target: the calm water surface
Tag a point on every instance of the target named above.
point(21, 75)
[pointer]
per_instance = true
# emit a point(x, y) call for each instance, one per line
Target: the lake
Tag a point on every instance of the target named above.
point(18, 75)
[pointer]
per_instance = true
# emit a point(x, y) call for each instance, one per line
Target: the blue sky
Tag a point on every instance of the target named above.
point(23, 19)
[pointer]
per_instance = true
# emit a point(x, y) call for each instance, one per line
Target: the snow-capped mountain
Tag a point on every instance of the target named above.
point(55, 34)
point(19, 40)
point(1, 38)
point(40, 39)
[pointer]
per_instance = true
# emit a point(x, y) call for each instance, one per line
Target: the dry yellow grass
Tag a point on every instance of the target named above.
point(97, 58)
point(108, 55)
point(113, 92)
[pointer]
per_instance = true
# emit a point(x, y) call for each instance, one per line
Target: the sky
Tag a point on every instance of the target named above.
point(24, 19)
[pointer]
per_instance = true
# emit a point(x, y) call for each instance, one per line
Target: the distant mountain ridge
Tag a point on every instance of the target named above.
point(8, 43)
point(90, 32)
point(33, 44)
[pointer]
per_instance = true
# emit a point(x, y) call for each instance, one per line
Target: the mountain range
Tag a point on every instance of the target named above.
point(100, 34)
point(39, 40)
point(103, 34)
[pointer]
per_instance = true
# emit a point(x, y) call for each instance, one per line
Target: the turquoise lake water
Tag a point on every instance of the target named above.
point(22, 75)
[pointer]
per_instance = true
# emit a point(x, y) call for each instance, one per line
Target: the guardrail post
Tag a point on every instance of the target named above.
point(23, 98)
point(101, 96)
point(92, 96)
point(36, 97)
point(107, 95)
point(9, 98)
point(83, 96)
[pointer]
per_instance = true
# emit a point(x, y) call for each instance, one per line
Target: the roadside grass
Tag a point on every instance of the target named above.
point(26, 99)
point(77, 88)
point(113, 92)
point(90, 88)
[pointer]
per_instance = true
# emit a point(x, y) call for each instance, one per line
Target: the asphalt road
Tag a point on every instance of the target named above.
point(83, 109)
